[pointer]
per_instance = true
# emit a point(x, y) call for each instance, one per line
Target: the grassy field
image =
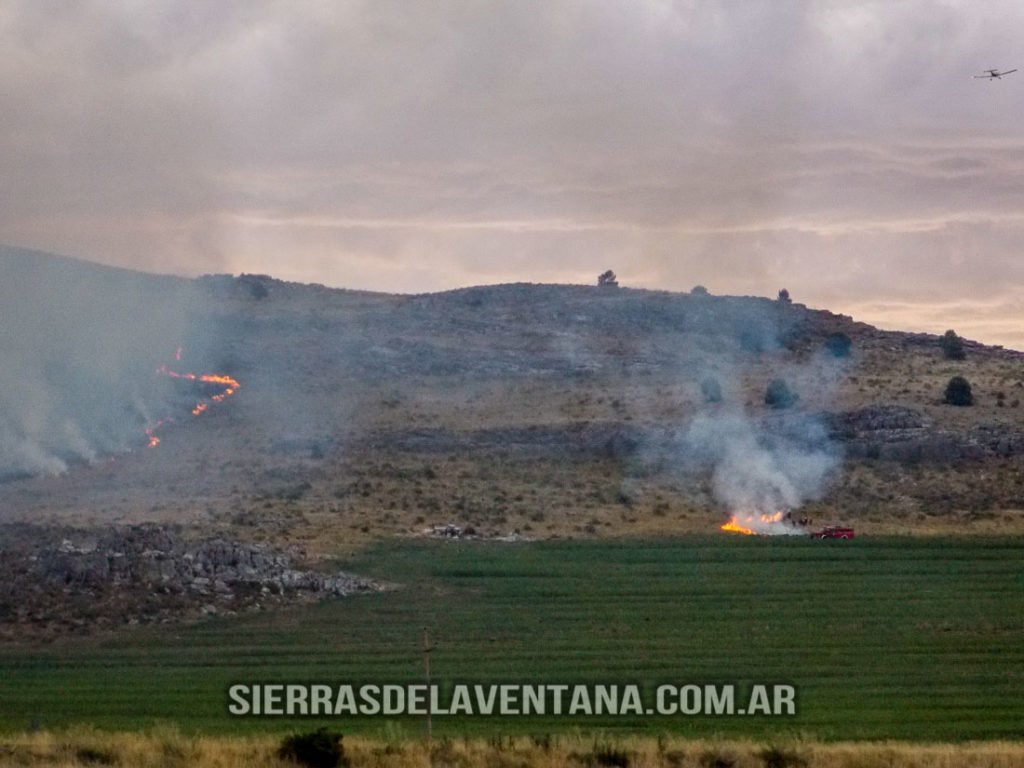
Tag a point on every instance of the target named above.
point(910, 639)
point(164, 747)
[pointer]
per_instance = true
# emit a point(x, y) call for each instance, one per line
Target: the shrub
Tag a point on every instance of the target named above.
point(607, 755)
point(952, 346)
point(699, 290)
point(777, 757)
point(711, 390)
point(784, 297)
point(316, 749)
point(256, 285)
point(607, 279)
point(793, 338)
point(838, 344)
point(779, 395)
point(958, 392)
point(94, 756)
point(715, 759)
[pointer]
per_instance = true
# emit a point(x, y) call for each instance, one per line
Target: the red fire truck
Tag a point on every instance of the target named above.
point(833, 532)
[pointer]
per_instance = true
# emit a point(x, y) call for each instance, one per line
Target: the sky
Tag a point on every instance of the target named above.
point(842, 150)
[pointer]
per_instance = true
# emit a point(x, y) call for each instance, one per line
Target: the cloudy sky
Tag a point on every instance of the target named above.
point(840, 149)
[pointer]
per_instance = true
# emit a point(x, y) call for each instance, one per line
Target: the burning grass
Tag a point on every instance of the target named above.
point(169, 748)
point(211, 388)
point(763, 524)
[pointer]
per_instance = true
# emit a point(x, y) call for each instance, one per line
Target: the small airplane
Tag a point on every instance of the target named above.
point(993, 74)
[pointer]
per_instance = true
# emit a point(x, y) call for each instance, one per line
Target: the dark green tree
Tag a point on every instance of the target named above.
point(779, 395)
point(958, 392)
point(316, 749)
point(838, 344)
point(952, 346)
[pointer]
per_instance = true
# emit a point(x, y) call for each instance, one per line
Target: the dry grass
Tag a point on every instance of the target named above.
point(212, 472)
point(169, 748)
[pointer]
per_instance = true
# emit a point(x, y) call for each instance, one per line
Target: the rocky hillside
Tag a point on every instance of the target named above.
point(57, 581)
point(541, 410)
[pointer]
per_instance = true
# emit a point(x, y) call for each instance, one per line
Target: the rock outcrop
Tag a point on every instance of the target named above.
point(59, 578)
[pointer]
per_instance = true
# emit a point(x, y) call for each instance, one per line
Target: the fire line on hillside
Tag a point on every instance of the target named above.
point(229, 387)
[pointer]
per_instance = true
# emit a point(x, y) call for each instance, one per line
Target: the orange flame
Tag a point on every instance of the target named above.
point(737, 525)
point(150, 431)
point(230, 386)
point(733, 527)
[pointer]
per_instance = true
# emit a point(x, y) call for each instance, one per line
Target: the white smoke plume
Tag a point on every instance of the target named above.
point(79, 345)
point(759, 470)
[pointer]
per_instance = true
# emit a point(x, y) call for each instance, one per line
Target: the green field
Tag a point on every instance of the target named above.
point(916, 639)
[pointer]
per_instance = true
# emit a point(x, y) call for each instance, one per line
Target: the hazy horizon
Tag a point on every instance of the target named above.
point(841, 150)
point(623, 284)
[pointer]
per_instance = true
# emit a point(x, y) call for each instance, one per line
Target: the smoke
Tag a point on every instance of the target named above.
point(760, 469)
point(79, 346)
point(762, 463)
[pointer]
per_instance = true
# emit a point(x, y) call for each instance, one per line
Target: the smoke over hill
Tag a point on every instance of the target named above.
point(78, 346)
point(543, 409)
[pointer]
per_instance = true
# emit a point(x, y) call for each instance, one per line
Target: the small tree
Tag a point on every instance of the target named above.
point(784, 297)
point(699, 290)
point(711, 390)
point(838, 344)
point(607, 279)
point(258, 286)
point(779, 395)
point(952, 346)
point(958, 392)
point(316, 749)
